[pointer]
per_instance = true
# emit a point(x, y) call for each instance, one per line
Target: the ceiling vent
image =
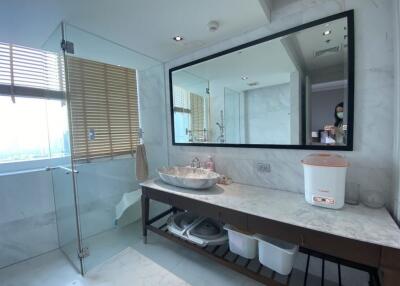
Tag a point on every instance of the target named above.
point(254, 83)
point(327, 51)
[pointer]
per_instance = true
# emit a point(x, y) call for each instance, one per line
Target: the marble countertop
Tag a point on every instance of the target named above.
point(356, 222)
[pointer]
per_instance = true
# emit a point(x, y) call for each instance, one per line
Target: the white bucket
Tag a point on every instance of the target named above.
point(241, 244)
point(276, 254)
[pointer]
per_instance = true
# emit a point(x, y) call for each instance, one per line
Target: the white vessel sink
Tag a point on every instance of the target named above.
point(187, 177)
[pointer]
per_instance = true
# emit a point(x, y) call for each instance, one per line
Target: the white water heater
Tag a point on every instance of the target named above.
point(325, 180)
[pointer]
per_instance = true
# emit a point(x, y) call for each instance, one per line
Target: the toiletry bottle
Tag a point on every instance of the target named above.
point(210, 165)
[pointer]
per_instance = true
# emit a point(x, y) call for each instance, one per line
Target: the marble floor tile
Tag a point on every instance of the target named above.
point(119, 258)
point(160, 262)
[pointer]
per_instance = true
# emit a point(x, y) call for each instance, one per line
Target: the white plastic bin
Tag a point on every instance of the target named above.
point(276, 254)
point(240, 243)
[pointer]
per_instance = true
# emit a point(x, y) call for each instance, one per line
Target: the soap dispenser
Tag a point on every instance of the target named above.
point(210, 165)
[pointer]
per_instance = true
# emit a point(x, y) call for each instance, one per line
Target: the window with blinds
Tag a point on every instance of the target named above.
point(104, 109)
point(189, 115)
point(30, 72)
point(197, 115)
point(181, 100)
point(33, 116)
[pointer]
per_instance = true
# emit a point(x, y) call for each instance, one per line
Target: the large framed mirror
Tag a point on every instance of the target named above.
point(293, 90)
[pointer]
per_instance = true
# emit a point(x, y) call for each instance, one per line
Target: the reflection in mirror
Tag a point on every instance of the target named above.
point(191, 108)
point(291, 90)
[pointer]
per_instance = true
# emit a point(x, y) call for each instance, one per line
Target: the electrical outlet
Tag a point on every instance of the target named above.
point(262, 167)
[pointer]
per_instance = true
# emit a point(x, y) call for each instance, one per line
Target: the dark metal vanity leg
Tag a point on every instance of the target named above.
point(145, 216)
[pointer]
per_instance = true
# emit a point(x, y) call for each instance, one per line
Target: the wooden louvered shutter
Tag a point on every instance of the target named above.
point(104, 109)
point(197, 114)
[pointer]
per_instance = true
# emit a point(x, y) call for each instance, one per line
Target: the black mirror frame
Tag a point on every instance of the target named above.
point(349, 147)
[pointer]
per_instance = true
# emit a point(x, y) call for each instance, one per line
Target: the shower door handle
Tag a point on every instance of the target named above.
point(48, 168)
point(67, 170)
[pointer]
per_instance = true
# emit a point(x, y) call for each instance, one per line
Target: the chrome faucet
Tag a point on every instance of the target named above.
point(195, 163)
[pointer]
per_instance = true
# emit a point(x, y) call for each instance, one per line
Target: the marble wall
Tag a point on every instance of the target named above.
point(152, 116)
point(371, 160)
point(267, 115)
point(153, 112)
point(27, 219)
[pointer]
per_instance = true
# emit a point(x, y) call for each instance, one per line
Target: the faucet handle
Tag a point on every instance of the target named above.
point(195, 163)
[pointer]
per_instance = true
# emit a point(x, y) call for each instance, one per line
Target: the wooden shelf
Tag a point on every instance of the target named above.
point(249, 267)
point(221, 254)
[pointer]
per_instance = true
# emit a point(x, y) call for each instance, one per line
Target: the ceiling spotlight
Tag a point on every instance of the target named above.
point(244, 77)
point(178, 38)
point(327, 32)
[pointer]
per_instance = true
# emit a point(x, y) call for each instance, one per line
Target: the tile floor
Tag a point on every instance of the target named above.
point(160, 262)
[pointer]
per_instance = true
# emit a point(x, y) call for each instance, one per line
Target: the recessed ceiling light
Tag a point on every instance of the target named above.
point(213, 26)
point(178, 38)
point(244, 77)
point(327, 32)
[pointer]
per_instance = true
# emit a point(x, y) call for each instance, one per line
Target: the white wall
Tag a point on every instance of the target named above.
point(295, 113)
point(396, 133)
point(371, 160)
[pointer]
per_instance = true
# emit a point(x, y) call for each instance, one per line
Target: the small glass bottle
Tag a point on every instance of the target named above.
point(210, 165)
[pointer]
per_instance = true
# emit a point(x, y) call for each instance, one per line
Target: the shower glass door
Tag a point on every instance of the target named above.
point(104, 82)
point(61, 166)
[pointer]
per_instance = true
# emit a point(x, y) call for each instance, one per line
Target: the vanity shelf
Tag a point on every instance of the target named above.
point(342, 237)
point(252, 267)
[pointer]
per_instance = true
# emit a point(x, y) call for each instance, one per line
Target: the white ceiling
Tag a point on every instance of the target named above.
point(146, 26)
point(267, 64)
point(312, 40)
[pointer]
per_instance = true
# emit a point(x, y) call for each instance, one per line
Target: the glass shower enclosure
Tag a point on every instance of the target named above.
point(86, 192)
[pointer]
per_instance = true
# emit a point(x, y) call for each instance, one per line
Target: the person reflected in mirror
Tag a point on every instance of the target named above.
point(337, 131)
